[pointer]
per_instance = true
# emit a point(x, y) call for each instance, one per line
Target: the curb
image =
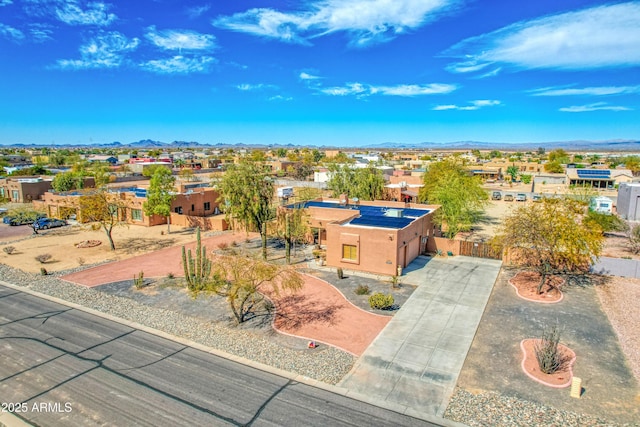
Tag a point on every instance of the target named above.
point(396, 407)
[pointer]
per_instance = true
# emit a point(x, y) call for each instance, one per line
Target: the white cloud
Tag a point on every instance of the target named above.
point(474, 105)
point(598, 37)
point(308, 77)
point(96, 13)
point(11, 33)
point(180, 40)
point(104, 51)
point(598, 106)
point(5, 2)
point(179, 65)
point(586, 91)
point(40, 33)
point(246, 87)
point(365, 21)
point(363, 90)
point(280, 98)
point(197, 11)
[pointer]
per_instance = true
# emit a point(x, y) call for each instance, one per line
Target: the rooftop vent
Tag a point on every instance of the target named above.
point(394, 213)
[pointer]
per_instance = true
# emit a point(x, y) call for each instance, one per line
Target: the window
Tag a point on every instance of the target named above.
point(207, 206)
point(136, 214)
point(15, 194)
point(350, 252)
point(178, 210)
point(193, 208)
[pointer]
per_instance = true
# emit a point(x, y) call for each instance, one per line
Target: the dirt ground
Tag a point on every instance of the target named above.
point(493, 362)
point(60, 244)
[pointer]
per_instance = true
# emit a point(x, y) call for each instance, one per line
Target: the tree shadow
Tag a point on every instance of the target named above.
point(295, 310)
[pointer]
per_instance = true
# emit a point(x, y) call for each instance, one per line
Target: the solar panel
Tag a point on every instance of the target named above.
point(594, 173)
point(381, 221)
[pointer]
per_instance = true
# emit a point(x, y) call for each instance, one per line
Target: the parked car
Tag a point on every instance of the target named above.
point(16, 220)
point(46, 223)
point(496, 195)
point(536, 197)
point(521, 197)
point(508, 197)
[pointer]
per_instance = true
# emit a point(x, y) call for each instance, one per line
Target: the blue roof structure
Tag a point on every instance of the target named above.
point(374, 216)
point(594, 173)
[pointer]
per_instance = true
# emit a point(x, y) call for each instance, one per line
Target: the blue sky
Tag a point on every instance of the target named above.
point(334, 72)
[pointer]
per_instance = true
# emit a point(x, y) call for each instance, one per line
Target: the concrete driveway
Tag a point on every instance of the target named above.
point(416, 359)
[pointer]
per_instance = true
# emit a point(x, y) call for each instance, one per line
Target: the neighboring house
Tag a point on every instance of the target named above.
point(375, 237)
point(189, 207)
point(137, 166)
point(598, 178)
point(24, 189)
point(112, 160)
point(628, 203)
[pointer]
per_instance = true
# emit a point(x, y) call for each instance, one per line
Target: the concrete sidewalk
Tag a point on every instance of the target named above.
point(416, 359)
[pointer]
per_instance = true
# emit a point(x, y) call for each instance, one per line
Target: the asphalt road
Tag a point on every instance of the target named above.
point(65, 367)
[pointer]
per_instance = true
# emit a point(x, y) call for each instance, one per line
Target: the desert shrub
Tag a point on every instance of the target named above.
point(634, 239)
point(9, 249)
point(171, 276)
point(547, 354)
point(340, 273)
point(362, 290)
point(43, 258)
point(223, 245)
point(81, 260)
point(234, 244)
point(381, 301)
point(43, 271)
point(138, 281)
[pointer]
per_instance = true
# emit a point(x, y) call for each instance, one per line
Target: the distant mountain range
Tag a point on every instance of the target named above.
point(609, 145)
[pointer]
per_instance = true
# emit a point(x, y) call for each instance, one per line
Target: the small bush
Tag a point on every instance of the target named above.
point(223, 245)
point(81, 261)
point(9, 249)
point(171, 276)
point(234, 244)
point(362, 290)
point(381, 301)
point(43, 271)
point(340, 273)
point(138, 281)
point(547, 354)
point(43, 258)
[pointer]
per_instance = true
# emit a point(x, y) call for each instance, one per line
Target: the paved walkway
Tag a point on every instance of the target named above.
point(417, 358)
point(616, 267)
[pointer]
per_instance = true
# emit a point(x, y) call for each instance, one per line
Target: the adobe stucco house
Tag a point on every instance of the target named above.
point(192, 207)
point(375, 237)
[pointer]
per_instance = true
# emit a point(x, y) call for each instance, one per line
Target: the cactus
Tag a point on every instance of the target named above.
point(138, 282)
point(196, 270)
point(340, 273)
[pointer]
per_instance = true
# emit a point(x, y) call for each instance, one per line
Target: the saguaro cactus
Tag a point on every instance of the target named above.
point(198, 270)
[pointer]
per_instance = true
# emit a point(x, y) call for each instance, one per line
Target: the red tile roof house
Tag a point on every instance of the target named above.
point(377, 237)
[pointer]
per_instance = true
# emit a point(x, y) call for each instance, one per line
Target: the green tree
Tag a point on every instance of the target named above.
point(553, 167)
point(526, 178)
point(292, 226)
point(31, 171)
point(460, 196)
point(243, 280)
point(160, 195)
point(513, 172)
point(633, 164)
point(606, 222)
point(281, 152)
point(148, 171)
point(247, 192)
point(101, 207)
point(553, 236)
point(66, 181)
point(559, 155)
point(363, 183)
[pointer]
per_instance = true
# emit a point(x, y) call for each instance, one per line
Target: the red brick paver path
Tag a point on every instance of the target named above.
point(317, 312)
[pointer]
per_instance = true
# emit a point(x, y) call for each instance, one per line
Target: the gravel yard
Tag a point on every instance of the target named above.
point(619, 298)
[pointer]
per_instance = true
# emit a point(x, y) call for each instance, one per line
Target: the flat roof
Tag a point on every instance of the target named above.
point(375, 216)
